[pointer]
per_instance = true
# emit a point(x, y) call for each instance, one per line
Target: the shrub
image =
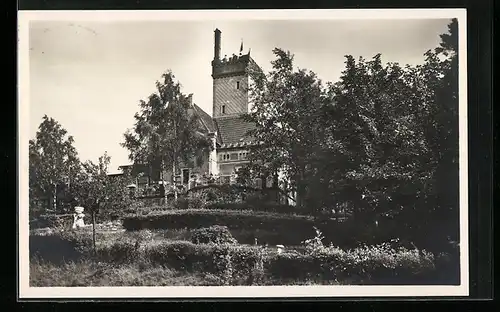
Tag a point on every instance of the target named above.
point(368, 265)
point(181, 255)
point(216, 234)
point(59, 247)
point(121, 251)
point(232, 264)
point(192, 201)
point(53, 221)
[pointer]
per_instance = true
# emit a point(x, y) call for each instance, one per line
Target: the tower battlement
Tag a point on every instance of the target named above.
point(232, 66)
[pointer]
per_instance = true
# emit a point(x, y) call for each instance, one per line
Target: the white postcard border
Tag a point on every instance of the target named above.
point(26, 292)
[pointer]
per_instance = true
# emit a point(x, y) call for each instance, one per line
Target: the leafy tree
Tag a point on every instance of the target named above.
point(286, 105)
point(99, 193)
point(53, 165)
point(385, 159)
point(165, 132)
point(439, 121)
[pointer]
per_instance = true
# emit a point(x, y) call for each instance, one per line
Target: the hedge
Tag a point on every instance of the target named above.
point(258, 207)
point(196, 218)
point(271, 228)
point(252, 265)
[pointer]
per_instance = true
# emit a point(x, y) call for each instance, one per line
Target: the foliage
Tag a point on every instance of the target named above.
point(100, 193)
point(249, 265)
point(166, 132)
point(53, 164)
point(59, 247)
point(260, 207)
point(315, 243)
point(192, 201)
point(286, 105)
point(249, 220)
point(381, 141)
point(215, 234)
point(55, 167)
point(363, 265)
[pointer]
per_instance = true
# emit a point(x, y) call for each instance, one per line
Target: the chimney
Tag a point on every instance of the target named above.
point(217, 44)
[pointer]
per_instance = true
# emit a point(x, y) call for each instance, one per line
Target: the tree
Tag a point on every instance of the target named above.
point(286, 106)
point(394, 140)
point(374, 130)
point(53, 164)
point(98, 193)
point(441, 127)
point(165, 132)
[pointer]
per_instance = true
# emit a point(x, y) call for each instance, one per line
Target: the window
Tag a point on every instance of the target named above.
point(223, 109)
point(237, 84)
point(185, 176)
point(234, 156)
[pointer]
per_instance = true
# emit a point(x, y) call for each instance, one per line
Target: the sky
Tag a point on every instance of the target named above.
point(90, 76)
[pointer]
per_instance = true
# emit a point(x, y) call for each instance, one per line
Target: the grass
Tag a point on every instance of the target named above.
point(93, 274)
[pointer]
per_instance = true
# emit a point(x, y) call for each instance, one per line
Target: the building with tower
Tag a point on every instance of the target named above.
point(225, 127)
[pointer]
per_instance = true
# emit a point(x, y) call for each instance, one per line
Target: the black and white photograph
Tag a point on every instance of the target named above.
point(260, 153)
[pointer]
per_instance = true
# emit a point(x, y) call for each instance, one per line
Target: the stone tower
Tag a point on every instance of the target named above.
point(230, 82)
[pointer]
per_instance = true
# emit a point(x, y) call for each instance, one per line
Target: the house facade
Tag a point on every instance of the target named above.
point(226, 129)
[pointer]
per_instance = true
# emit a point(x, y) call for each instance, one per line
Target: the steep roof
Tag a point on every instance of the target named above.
point(233, 131)
point(205, 118)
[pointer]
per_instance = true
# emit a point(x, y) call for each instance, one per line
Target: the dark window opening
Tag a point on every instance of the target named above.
point(185, 176)
point(237, 84)
point(223, 109)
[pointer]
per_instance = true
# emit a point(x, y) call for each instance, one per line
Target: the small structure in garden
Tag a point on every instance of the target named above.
point(280, 248)
point(78, 217)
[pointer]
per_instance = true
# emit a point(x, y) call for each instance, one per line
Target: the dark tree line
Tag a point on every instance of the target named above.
point(381, 142)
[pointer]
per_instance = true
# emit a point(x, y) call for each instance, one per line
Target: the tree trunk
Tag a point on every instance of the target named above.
point(173, 181)
point(93, 231)
point(54, 199)
point(162, 178)
point(174, 161)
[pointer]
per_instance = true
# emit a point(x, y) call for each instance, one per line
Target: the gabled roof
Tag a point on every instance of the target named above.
point(232, 131)
point(205, 118)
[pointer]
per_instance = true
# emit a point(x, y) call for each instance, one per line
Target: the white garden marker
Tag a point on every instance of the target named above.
point(78, 218)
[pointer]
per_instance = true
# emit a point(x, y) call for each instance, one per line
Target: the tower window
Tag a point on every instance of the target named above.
point(223, 109)
point(237, 84)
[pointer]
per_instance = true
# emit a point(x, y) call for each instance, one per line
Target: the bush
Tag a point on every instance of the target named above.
point(364, 265)
point(59, 247)
point(233, 264)
point(181, 255)
point(52, 221)
point(119, 252)
point(193, 201)
point(212, 235)
point(247, 265)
